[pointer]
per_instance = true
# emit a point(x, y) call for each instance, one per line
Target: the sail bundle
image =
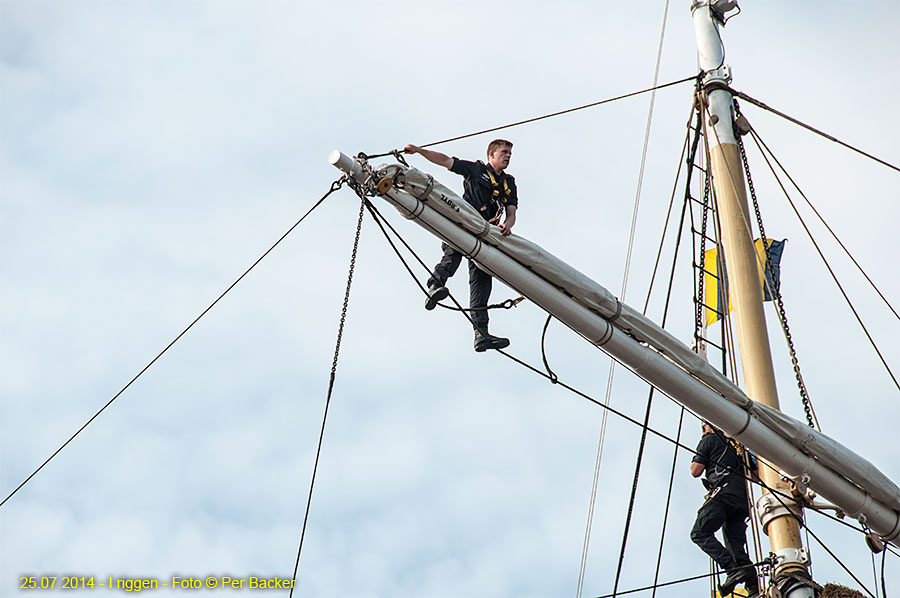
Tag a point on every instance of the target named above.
point(598, 299)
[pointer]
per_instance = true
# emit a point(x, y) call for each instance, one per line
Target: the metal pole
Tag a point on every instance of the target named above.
point(743, 278)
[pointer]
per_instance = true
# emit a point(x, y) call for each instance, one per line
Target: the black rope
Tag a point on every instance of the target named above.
point(334, 187)
point(334, 363)
point(380, 220)
point(839, 562)
point(759, 104)
point(662, 535)
point(551, 374)
point(376, 215)
point(761, 144)
point(672, 583)
point(874, 573)
point(537, 118)
point(634, 486)
point(507, 304)
point(833, 234)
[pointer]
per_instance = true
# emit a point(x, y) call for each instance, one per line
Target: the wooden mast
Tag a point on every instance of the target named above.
point(780, 523)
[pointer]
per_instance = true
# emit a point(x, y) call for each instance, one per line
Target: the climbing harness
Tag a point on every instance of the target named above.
point(499, 195)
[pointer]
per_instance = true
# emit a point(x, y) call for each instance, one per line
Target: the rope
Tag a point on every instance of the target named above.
point(759, 104)
point(839, 562)
point(612, 364)
point(874, 573)
point(553, 377)
point(334, 187)
point(684, 149)
point(337, 350)
point(841, 244)
point(537, 118)
point(761, 144)
point(671, 583)
point(662, 535)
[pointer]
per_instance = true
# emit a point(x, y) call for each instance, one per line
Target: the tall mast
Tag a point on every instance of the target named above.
point(779, 522)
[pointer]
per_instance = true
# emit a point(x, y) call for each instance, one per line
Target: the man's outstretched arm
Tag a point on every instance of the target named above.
point(430, 155)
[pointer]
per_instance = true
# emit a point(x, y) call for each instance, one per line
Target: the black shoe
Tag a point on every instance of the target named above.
point(746, 576)
point(751, 583)
point(731, 580)
point(485, 341)
point(436, 294)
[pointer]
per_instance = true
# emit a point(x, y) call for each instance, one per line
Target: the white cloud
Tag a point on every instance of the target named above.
point(149, 152)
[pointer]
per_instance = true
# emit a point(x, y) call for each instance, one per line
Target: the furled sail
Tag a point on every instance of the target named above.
point(836, 473)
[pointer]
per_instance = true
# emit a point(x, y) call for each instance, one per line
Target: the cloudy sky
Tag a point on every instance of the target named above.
point(151, 151)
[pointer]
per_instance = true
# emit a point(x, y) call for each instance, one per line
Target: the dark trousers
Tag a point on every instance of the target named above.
point(479, 283)
point(728, 512)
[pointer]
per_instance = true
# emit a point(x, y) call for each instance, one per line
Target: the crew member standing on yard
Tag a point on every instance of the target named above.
point(491, 190)
point(725, 508)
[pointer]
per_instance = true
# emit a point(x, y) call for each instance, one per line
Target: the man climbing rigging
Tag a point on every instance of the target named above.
point(725, 508)
point(491, 190)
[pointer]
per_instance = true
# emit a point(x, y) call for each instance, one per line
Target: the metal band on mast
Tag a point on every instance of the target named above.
point(780, 524)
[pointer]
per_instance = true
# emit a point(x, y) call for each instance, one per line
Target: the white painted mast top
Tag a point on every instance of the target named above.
point(711, 55)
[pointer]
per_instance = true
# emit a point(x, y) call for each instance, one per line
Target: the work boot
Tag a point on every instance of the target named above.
point(747, 576)
point(751, 583)
point(436, 294)
point(485, 341)
point(752, 590)
point(731, 580)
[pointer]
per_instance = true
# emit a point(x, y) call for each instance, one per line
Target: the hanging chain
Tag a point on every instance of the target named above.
point(701, 278)
point(334, 363)
point(337, 348)
point(775, 290)
point(701, 302)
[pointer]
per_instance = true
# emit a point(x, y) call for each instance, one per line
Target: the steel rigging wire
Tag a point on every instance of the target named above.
point(768, 152)
point(759, 104)
point(396, 152)
point(334, 187)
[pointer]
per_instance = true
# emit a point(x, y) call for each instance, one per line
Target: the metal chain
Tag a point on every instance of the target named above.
point(337, 350)
point(775, 290)
point(698, 323)
point(701, 304)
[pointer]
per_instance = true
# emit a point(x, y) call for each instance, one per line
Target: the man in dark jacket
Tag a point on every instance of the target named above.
point(492, 191)
point(725, 508)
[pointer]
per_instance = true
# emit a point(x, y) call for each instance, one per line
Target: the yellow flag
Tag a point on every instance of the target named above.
point(715, 286)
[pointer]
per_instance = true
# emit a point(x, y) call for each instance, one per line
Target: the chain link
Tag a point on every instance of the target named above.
point(775, 289)
point(698, 323)
point(337, 348)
